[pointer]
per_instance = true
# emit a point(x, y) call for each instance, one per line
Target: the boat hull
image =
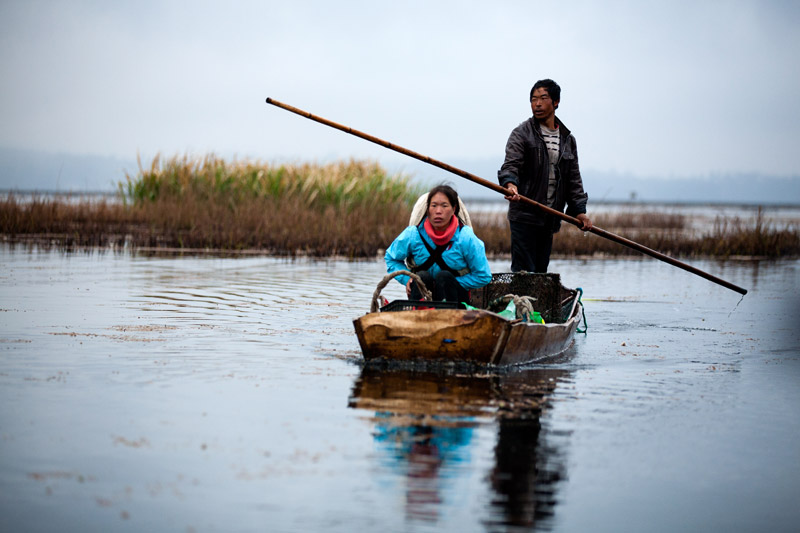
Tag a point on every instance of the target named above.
point(529, 342)
point(477, 336)
point(402, 330)
point(433, 334)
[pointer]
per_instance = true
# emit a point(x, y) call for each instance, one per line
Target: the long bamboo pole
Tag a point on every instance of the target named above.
point(502, 190)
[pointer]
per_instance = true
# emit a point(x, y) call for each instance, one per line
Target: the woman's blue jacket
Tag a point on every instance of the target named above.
point(465, 253)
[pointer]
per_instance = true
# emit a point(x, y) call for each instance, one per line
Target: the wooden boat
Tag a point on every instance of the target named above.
point(441, 331)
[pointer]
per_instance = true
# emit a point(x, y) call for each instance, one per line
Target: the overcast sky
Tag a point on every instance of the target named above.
point(667, 88)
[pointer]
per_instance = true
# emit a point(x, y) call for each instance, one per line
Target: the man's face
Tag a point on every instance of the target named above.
point(541, 104)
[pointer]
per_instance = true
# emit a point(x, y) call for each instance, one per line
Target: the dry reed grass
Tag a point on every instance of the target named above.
point(351, 209)
point(667, 233)
point(343, 185)
point(280, 227)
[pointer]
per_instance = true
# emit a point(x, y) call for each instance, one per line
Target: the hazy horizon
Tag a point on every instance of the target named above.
point(28, 170)
point(650, 89)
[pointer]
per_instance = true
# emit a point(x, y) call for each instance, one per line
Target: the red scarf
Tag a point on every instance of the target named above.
point(445, 236)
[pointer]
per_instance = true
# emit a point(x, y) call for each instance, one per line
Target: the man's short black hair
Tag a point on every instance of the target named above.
point(552, 88)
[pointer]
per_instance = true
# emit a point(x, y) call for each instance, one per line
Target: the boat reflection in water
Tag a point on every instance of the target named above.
point(426, 427)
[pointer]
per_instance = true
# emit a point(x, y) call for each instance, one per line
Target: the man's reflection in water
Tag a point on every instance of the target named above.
point(523, 483)
point(424, 421)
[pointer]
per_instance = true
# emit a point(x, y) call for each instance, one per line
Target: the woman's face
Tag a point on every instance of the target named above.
point(440, 211)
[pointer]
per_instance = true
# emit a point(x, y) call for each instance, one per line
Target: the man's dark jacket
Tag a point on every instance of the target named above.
point(527, 165)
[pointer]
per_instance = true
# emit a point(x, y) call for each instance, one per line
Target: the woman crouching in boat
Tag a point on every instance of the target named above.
point(441, 250)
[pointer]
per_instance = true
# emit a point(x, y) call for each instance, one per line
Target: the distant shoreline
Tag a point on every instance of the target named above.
point(354, 209)
point(269, 228)
point(469, 200)
point(38, 170)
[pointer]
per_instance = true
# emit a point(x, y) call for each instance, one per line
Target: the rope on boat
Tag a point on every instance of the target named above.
point(524, 304)
point(426, 294)
point(583, 313)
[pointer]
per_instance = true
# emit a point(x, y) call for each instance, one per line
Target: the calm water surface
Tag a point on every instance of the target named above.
point(209, 394)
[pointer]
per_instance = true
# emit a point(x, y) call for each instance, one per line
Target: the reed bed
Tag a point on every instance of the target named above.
point(664, 232)
point(348, 208)
point(351, 209)
point(342, 185)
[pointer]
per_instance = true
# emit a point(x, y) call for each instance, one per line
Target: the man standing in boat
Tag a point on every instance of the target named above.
point(541, 163)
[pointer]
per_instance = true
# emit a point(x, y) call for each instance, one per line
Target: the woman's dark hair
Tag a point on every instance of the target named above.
point(552, 88)
point(448, 191)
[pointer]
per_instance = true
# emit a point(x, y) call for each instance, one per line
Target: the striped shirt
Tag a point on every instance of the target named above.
point(553, 141)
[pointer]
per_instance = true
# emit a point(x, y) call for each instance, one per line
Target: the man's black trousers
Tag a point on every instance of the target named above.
point(530, 247)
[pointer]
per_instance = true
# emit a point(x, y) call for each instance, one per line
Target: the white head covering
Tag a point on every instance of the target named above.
point(420, 208)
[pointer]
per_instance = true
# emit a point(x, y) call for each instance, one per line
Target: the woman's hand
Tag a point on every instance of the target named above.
point(408, 288)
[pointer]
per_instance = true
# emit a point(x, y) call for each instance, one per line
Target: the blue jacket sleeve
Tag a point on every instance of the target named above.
point(475, 254)
point(397, 253)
